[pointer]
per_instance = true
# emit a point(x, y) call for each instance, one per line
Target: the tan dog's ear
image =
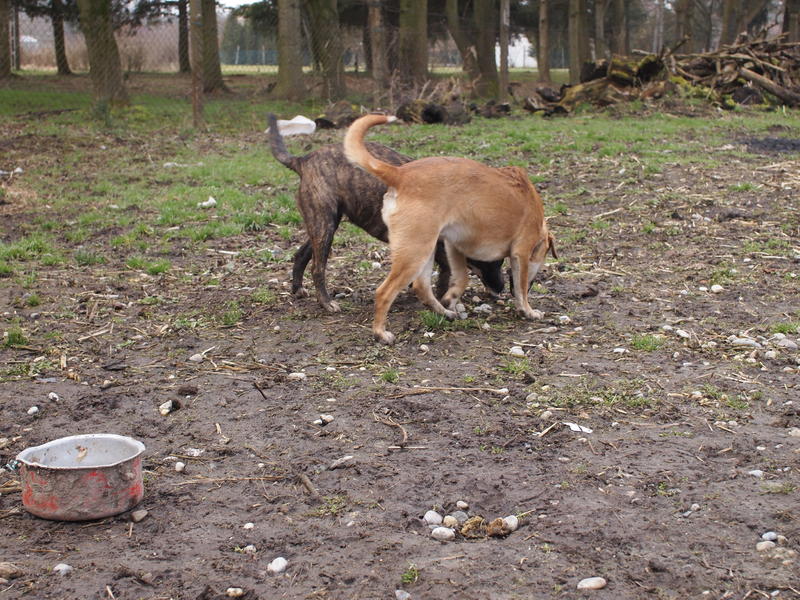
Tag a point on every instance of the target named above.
point(551, 242)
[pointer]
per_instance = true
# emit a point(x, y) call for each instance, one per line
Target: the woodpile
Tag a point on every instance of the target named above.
point(748, 72)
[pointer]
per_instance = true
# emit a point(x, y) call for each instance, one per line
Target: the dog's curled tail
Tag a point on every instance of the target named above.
point(278, 147)
point(356, 151)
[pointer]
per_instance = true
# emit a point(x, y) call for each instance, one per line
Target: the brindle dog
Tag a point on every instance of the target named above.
point(330, 188)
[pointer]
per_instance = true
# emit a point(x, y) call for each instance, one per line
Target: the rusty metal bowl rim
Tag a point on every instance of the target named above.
point(137, 449)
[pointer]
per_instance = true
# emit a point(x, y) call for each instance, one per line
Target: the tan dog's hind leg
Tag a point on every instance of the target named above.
point(423, 290)
point(458, 273)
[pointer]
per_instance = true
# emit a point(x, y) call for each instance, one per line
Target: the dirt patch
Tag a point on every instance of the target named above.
point(692, 454)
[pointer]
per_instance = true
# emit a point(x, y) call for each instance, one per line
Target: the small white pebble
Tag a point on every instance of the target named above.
point(764, 546)
point(756, 473)
point(619, 350)
point(248, 526)
point(54, 397)
point(592, 583)
point(516, 351)
point(564, 319)
point(180, 466)
point(278, 565)
point(63, 569)
point(717, 289)
point(424, 348)
point(682, 334)
point(138, 515)
point(450, 521)
point(511, 522)
point(299, 376)
point(443, 534)
point(432, 518)
point(546, 415)
point(694, 507)
point(249, 549)
point(769, 536)
point(462, 505)
point(196, 358)
point(234, 592)
point(33, 410)
point(326, 418)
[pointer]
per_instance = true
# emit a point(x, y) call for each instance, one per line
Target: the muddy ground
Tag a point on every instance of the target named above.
point(659, 499)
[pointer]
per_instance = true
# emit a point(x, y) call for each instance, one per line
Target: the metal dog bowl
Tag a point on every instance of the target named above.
point(82, 477)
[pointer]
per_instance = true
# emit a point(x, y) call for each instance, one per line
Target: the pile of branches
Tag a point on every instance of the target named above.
point(747, 72)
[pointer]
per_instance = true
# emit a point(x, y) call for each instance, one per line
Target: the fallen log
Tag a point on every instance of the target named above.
point(791, 98)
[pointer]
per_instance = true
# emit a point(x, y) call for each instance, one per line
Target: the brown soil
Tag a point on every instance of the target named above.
point(614, 503)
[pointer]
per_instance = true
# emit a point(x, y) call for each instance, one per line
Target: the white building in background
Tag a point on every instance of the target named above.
point(518, 54)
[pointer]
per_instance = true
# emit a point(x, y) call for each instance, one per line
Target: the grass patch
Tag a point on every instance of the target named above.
point(647, 342)
point(436, 322)
point(15, 337)
point(787, 327)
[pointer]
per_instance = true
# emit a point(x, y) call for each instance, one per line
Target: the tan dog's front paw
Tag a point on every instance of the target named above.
point(451, 314)
point(387, 337)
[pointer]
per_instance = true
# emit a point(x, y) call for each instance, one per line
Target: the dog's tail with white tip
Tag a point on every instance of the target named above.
point(356, 151)
point(278, 147)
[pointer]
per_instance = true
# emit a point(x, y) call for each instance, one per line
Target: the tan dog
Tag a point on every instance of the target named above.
point(479, 211)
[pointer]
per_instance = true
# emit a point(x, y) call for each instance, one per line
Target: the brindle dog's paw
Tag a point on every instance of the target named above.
point(300, 292)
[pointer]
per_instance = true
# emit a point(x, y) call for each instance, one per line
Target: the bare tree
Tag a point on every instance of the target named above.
point(600, 46)
point(578, 41)
point(5, 39)
point(543, 52)
point(737, 16)
point(683, 18)
point(658, 27)
point(485, 17)
point(326, 43)
point(413, 41)
point(504, 25)
point(290, 58)
point(378, 45)
point(212, 70)
point(469, 60)
point(105, 69)
point(620, 43)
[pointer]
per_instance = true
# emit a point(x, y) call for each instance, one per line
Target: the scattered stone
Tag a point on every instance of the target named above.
point(460, 516)
point(52, 396)
point(743, 341)
point(756, 473)
point(765, 545)
point(770, 354)
point(196, 358)
point(138, 515)
point(592, 583)
point(424, 348)
point(180, 466)
point(786, 343)
point(63, 569)
point(248, 526)
point(717, 289)
point(516, 351)
point(9, 570)
point(694, 507)
point(249, 549)
point(794, 432)
point(769, 536)
point(432, 518)
point(402, 595)
point(546, 415)
point(482, 308)
point(4, 442)
point(296, 376)
point(511, 522)
point(450, 521)
point(682, 334)
point(234, 592)
point(33, 410)
point(107, 383)
point(564, 319)
point(443, 534)
point(620, 350)
point(326, 419)
point(340, 462)
point(278, 565)
point(168, 407)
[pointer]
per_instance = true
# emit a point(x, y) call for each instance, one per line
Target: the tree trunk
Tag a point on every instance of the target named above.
point(504, 25)
point(184, 64)
point(485, 17)
point(577, 39)
point(600, 46)
point(212, 70)
point(378, 46)
point(17, 46)
point(5, 39)
point(326, 43)
point(543, 52)
point(729, 14)
point(620, 42)
point(466, 49)
point(196, 56)
point(57, 18)
point(290, 52)
point(413, 41)
point(658, 28)
point(105, 68)
point(791, 20)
